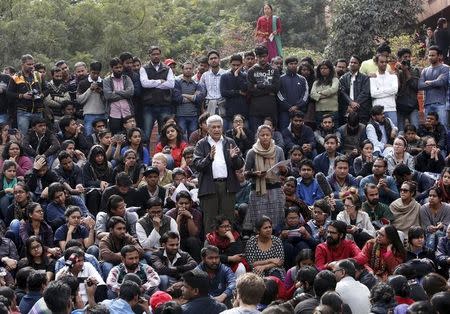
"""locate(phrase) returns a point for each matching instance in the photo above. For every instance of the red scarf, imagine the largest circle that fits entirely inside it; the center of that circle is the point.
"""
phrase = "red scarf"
(222, 243)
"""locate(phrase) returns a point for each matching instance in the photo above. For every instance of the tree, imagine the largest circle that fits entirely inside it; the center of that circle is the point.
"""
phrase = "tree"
(357, 25)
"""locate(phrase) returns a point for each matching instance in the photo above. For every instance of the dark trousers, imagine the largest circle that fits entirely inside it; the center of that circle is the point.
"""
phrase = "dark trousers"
(220, 203)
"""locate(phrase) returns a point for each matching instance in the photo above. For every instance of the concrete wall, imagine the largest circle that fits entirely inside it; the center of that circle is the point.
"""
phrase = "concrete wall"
(432, 7)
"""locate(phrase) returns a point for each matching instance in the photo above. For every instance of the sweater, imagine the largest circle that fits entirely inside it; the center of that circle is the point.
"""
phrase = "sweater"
(264, 83)
(326, 96)
(326, 254)
(436, 91)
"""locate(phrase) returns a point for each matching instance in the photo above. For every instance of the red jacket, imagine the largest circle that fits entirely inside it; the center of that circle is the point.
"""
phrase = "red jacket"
(388, 260)
(326, 254)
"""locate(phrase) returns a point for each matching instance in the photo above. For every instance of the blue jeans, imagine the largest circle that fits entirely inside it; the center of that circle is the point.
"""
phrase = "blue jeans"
(283, 120)
(440, 109)
(106, 268)
(151, 114)
(188, 124)
(392, 115)
(412, 117)
(24, 119)
(3, 118)
(88, 120)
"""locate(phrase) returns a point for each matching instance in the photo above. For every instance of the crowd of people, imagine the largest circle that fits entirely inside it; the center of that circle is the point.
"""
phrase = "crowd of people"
(303, 188)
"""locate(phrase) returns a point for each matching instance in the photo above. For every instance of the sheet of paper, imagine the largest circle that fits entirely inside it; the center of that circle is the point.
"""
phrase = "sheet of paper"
(274, 168)
(180, 187)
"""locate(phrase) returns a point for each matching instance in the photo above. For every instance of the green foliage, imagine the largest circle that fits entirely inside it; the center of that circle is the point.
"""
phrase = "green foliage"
(86, 30)
(359, 25)
(301, 53)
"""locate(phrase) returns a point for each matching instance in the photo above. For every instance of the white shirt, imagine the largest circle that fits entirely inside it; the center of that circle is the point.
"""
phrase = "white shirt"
(219, 166)
(355, 294)
(87, 271)
(152, 240)
(383, 89)
(171, 263)
(210, 81)
(147, 83)
(352, 82)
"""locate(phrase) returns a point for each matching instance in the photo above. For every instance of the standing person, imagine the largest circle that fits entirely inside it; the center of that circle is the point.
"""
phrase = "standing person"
(266, 197)
(57, 93)
(383, 88)
(233, 87)
(157, 83)
(434, 81)
(263, 85)
(325, 91)
(407, 103)
(118, 89)
(355, 91)
(202, 67)
(188, 97)
(25, 91)
(268, 30)
(293, 94)
(90, 96)
(369, 67)
(210, 83)
(216, 158)
(442, 37)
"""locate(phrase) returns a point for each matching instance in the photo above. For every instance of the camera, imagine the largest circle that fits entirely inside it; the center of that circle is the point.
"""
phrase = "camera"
(71, 261)
(35, 93)
(406, 63)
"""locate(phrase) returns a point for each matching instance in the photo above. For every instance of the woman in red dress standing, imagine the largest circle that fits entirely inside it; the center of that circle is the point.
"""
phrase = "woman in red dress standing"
(268, 30)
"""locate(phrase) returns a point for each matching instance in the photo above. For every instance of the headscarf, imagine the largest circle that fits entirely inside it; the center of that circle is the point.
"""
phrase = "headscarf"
(264, 160)
(102, 172)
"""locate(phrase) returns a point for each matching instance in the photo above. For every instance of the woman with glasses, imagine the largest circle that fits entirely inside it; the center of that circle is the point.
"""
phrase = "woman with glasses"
(430, 159)
(359, 227)
(34, 225)
(264, 251)
(405, 209)
(230, 246)
(434, 217)
(383, 253)
(240, 134)
(36, 257)
(399, 155)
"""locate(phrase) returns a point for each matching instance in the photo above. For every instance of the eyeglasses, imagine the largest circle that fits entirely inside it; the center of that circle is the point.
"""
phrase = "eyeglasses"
(404, 190)
(225, 226)
(332, 232)
(431, 145)
(349, 206)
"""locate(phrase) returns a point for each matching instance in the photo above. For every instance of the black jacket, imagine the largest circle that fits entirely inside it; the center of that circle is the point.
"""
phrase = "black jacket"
(47, 145)
(183, 264)
(31, 179)
(142, 197)
(203, 164)
(361, 93)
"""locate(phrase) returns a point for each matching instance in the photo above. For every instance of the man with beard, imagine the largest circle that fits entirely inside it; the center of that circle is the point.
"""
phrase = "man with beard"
(25, 91)
(111, 245)
(157, 83)
(379, 213)
(336, 246)
(130, 264)
(57, 93)
(381, 131)
(118, 89)
(170, 262)
(340, 67)
(351, 135)
(221, 278)
(355, 92)
(210, 82)
(127, 62)
(263, 86)
(195, 291)
(386, 184)
(249, 61)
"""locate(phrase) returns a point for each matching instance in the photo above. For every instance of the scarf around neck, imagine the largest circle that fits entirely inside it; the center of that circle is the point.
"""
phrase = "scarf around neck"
(405, 216)
(264, 160)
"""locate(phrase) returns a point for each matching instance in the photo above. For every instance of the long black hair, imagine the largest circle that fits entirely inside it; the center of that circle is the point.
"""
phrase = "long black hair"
(322, 80)
(164, 140)
(5, 153)
(394, 239)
